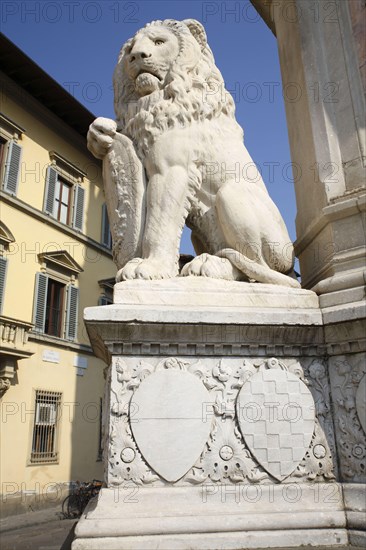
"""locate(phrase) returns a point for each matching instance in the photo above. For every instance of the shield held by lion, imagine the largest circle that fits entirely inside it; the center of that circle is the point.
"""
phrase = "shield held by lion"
(176, 155)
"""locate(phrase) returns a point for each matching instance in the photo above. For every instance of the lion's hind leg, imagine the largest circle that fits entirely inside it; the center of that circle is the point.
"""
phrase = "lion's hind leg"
(208, 265)
(257, 242)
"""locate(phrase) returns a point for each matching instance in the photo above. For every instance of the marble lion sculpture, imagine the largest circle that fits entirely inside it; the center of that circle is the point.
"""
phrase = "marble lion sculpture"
(176, 155)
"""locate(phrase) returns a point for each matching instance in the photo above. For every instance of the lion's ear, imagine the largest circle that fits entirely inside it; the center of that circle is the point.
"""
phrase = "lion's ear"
(197, 30)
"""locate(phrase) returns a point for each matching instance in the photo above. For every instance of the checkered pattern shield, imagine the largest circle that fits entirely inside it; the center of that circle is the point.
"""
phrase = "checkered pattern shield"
(276, 414)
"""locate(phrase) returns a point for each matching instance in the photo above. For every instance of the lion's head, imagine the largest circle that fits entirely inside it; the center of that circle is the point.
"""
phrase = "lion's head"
(166, 76)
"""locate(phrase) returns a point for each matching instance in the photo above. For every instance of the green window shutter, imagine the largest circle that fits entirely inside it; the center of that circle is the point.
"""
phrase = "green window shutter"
(78, 207)
(72, 312)
(40, 302)
(3, 266)
(12, 166)
(106, 232)
(49, 197)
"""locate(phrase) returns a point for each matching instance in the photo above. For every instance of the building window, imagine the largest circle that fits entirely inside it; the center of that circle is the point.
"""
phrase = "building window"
(62, 201)
(105, 300)
(12, 168)
(10, 154)
(46, 427)
(106, 286)
(64, 196)
(50, 300)
(106, 231)
(2, 152)
(54, 307)
(6, 237)
(56, 297)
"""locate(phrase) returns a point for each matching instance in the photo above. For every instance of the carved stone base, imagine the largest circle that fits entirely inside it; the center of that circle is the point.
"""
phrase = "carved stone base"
(212, 517)
(218, 429)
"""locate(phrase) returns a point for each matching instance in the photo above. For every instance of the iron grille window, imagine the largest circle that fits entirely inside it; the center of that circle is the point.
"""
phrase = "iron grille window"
(46, 427)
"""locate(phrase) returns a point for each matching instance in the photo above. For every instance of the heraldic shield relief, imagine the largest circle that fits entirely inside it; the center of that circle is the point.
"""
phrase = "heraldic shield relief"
(240, 420)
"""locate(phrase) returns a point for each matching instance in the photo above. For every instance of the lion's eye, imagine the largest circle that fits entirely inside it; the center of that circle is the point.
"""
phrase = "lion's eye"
(158, 42)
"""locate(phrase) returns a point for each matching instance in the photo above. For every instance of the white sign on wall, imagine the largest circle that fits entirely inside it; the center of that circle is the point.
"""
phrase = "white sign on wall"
(80, 362)
(51, 356)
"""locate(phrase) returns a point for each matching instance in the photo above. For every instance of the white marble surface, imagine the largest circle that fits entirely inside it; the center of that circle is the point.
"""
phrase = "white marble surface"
(204, 300)
(232, 521)
(172, 423)
(276, 414)
(176, 154)
(205, 291)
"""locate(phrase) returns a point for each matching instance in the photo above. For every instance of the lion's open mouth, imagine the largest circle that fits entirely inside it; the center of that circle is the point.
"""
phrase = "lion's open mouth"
(147, 82)
(149, 71)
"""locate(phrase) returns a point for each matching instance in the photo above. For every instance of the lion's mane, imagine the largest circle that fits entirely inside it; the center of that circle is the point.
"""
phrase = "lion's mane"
(194, 91)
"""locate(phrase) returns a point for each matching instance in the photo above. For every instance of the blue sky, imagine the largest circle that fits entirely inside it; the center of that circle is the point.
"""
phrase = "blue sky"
(77, 43)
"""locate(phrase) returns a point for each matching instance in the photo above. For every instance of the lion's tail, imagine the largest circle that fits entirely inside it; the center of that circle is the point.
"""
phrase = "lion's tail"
(259, 272)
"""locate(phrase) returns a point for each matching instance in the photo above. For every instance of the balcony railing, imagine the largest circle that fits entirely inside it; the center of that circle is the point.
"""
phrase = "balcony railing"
(13, 346)
(14, 336)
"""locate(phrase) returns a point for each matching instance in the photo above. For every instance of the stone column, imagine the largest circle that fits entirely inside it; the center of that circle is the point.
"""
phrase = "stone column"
(323, 76)
(325, 108)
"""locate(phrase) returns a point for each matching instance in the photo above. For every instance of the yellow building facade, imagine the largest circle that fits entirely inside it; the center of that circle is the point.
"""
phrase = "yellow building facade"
(55, 260)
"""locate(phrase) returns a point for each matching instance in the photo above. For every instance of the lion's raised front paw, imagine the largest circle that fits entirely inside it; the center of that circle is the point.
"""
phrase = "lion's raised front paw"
(206, 265)
(100, 136)
(146, 269)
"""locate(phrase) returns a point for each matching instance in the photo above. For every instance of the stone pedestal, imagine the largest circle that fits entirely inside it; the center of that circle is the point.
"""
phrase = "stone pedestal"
(214, 516)
(218, 421)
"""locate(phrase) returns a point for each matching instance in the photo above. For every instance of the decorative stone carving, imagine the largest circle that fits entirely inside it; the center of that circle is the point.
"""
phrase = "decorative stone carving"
(317, 379)
(141, 452)
(361, 402)
(176, 155)
(226, 458)
(133, 468)
(226, 381)
(276, 418)
(121, 444)
(348, 380)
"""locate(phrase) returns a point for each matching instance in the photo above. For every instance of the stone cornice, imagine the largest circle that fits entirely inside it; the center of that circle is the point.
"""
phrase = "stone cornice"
(118, 338)
(59, 342)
